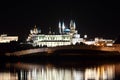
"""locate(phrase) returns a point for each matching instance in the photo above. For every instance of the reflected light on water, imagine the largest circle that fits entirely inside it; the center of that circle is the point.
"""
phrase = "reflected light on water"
(8, 76)
(106, 72)
(40, 72)
(100, 73)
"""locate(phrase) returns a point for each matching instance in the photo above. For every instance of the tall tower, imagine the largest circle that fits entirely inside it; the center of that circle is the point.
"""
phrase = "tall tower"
(72, 26)
(49, 30)
(59, 26)
(63, 27)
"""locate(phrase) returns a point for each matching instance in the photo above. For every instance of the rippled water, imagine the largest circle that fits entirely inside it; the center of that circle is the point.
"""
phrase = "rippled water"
(61, 71)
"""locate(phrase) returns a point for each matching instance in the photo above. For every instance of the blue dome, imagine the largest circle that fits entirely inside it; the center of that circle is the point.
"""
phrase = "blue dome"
(67, 30)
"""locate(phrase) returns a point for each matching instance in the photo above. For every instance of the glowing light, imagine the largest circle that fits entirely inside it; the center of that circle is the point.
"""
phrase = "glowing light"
(8, 76)
(85, 36)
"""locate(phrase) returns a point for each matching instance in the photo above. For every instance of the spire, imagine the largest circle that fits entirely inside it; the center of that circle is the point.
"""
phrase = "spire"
(35, 30)
(59, 25)
(63, 27)
(74, 25)
(35, 26)
(71, 24)
(49, 30)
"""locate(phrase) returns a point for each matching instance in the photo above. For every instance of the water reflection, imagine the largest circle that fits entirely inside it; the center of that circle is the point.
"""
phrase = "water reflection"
(23, 71)
(8, 76)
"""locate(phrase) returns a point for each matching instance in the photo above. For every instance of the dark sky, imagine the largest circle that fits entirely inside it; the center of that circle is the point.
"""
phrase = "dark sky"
(94, 18)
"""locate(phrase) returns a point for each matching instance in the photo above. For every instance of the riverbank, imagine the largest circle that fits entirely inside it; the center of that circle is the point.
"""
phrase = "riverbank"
(38, 57)
(71, 52)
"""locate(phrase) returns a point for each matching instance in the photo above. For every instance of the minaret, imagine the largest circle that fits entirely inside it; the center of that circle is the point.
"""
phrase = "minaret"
(71, 24)
(59, 25)
(63, 27)
(49, 30)
(74, 25)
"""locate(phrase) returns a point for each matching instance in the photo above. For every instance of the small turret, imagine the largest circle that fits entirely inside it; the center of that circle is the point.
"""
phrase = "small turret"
(35, 30)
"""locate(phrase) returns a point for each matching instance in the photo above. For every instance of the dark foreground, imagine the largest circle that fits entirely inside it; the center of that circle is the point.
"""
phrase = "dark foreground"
(62, 58)
(65, 56)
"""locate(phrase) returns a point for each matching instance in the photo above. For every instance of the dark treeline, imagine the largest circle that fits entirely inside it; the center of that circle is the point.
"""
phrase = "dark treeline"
(117, 40)
(13, 46)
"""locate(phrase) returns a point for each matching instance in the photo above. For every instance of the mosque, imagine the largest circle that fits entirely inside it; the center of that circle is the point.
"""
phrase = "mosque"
(66, 36)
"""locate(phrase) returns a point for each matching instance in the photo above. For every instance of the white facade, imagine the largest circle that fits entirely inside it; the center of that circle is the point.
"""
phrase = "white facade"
(51, 40)
(7, 39)
(100, 42)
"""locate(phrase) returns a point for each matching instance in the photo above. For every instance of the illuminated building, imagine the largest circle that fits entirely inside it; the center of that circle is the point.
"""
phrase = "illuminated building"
(100, 42)
(7, 39)
(66, 36)
(103, 42)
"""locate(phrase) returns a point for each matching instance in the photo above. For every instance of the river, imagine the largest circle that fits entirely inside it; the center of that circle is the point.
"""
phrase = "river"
(65, 70)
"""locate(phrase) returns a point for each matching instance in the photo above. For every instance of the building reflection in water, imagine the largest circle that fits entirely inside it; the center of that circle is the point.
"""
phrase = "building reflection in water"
(100, 73)
(33, 72)
(8, 76)
(30, 72)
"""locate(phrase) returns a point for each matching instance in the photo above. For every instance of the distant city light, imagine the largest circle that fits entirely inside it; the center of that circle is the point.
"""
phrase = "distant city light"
(85, 36)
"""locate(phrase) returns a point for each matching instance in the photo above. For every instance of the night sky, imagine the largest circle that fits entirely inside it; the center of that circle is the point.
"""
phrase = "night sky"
(94, 18)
